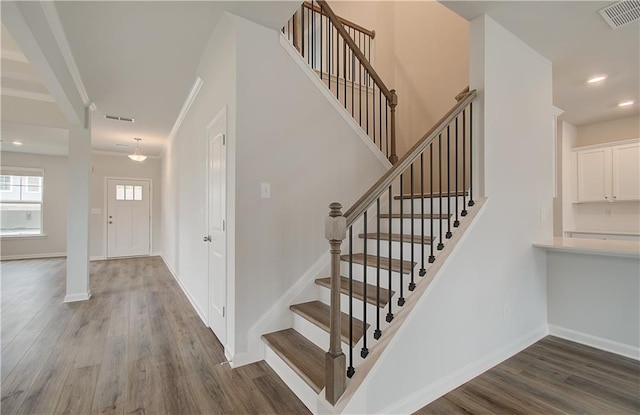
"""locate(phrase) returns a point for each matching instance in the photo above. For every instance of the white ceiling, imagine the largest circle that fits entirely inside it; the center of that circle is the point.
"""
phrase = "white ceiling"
(575, 38)
(138, 60)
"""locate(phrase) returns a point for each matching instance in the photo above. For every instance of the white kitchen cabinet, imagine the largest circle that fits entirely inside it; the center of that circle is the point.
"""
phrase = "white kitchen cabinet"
(608, 173)
(626, 171)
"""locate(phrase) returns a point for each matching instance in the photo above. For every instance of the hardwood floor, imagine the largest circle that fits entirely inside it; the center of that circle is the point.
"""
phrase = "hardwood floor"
(553, 376)
(136, 347)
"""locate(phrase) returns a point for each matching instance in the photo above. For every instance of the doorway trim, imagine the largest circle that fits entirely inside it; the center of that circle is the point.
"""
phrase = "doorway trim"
(220, 117)
(105, 206)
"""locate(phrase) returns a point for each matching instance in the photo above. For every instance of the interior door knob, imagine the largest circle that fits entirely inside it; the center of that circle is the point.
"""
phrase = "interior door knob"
(207, 238)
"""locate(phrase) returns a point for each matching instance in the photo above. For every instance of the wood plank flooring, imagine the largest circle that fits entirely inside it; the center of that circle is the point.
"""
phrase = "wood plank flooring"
(553, 376)
(136, 347)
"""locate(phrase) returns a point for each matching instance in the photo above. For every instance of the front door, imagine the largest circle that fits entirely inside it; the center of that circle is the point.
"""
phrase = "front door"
(128, 217)
(216, 201)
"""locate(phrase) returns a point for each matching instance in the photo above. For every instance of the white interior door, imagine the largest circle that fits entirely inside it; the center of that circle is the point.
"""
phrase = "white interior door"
(216, 238)
(128, 217)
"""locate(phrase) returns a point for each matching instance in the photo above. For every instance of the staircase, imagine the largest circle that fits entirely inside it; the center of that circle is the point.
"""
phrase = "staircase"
(387, 248)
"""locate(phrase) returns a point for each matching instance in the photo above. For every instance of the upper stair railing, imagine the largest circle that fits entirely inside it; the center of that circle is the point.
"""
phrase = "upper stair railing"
(340, 51)
(438, 167)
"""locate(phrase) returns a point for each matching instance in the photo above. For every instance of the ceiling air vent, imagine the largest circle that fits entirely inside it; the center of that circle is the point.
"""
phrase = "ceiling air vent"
(116, 118)
(621, 13)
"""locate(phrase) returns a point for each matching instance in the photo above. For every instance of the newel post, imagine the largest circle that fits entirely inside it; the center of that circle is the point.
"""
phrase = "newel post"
(335, 361)
(393, 157)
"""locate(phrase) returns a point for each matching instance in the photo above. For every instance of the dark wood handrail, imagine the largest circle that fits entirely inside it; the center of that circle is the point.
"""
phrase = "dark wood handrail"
(383, 184)
(356, 50)
(370, 33)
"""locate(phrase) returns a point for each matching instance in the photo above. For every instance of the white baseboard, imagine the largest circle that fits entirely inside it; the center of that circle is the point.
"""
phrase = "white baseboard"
(597, 342)
(445, 385)
(97, 258)
(34, 256)
(71, 298)
(200, 313)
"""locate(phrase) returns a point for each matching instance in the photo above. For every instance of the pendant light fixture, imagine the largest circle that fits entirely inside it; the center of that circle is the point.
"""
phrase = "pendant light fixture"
(137, 155)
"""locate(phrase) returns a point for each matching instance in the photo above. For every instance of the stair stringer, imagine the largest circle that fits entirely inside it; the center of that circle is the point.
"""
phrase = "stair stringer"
(297, 58)
(366, 371)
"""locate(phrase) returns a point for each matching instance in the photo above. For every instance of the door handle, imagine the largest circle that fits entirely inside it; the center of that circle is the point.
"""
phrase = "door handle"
(207, 238)
(110, 222)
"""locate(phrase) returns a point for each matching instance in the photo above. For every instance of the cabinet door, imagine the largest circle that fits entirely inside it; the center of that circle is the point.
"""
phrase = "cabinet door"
(594, 175)
(626, 172)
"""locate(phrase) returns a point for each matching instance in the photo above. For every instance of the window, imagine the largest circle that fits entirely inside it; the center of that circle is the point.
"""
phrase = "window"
(5, 183)
(128, 192)
(21, 201)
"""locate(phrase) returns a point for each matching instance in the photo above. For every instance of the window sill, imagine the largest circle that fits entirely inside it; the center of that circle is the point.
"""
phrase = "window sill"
(39, 236)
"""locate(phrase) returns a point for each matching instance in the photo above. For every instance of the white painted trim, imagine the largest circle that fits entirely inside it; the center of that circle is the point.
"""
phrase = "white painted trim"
(195, 88)
(14, 55)
(297, 58)
(595, 341)
(72, 298)
(34, 256)
(10, 237)
(445, 385)
(557, 111)
(19, 93)
(97, 258)
(186, 293)
(55, 24)
(271, 320)
(605, 145)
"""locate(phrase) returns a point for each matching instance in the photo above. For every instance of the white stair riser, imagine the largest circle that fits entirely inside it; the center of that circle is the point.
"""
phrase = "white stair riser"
(303, 391)
(394, 226)
(314, 333)
(358, 275)
(406, 205)
(324, 295)
(406, 250)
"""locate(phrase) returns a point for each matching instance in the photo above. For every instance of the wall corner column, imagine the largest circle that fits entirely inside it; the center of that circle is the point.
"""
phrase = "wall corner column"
(79, 161)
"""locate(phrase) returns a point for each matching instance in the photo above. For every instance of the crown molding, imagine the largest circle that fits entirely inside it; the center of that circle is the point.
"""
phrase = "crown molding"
(14, 55)
(195, 88)
(19, 93)
(55, 24)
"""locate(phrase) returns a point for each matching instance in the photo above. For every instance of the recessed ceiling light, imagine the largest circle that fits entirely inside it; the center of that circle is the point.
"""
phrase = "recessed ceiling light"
(17, 143)
(597, 78)
(626, 103)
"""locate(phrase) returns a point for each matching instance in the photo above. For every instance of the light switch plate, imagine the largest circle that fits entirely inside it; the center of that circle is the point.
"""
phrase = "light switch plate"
(265, 190)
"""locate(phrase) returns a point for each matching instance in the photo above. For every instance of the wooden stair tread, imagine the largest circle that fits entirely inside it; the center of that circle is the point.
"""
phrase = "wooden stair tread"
(384, 262)
(415, 216)
(395, 237)
(302, 355)
(317, 312)
(358, 290)
(430, 195)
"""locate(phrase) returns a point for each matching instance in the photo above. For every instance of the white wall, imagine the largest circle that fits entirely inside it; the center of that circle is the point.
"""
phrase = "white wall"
(460, 327)
(55, 201)
(184, 169)
(120, 166)
(55, 207)
(594, 300)
(282, 130)
(608, 131)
